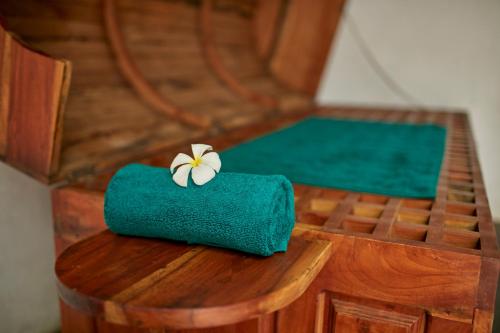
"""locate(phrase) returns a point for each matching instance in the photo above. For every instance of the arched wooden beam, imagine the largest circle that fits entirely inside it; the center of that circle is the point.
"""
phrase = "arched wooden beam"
(214, 60)
(131, 72)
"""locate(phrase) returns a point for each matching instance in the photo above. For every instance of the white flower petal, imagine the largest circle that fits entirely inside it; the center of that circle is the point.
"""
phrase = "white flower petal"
(212, 160)
(202, 174)
(182, 174)
(199, 149)
(180, 159)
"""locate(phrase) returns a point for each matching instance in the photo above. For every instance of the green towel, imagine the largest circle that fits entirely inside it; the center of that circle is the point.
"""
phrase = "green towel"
(250, 213)
(387, 158)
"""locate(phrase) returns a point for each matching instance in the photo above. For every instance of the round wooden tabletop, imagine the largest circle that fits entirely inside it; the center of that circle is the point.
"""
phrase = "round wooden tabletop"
(156, 283)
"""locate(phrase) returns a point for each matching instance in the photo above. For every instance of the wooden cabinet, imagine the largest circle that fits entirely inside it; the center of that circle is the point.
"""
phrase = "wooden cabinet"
(87, 86)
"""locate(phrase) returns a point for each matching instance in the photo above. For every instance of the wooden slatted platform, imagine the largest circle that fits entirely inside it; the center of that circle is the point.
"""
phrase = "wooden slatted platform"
(438, 255)
(457, 218)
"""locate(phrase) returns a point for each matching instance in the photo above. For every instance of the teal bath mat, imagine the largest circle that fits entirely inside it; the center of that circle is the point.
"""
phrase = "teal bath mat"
(394, 159)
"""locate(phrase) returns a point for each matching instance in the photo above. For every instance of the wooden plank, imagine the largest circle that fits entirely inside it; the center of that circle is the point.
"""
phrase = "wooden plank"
(266, 23)
(5, 64)
(77, 214)
(36, 90)
(152, 289)
(304, 43)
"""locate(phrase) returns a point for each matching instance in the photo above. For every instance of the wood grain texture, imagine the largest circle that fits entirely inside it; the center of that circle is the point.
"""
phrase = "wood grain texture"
(34, 87)
(266, 26)
(154, 283)
(443, 282)
(134, 76)
(394, 264)
(5, 53)
(106, 123)
(73, 321)
(440, 325)
(304, 43)
(77, 214)
(215, 62)
(350, 314)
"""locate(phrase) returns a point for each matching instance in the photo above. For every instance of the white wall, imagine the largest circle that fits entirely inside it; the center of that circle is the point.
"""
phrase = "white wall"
(28, 297)
(441, 52)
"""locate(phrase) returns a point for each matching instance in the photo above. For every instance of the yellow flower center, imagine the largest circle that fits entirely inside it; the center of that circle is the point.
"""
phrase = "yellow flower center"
(196, 161)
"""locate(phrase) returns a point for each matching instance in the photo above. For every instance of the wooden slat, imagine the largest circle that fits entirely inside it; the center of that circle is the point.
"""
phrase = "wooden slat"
(37, 87)
(5, 64)
(213, 58)
(304, 43)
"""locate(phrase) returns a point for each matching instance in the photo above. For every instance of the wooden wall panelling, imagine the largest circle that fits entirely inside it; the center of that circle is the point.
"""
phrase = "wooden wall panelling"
(36, 86)
(304, 43)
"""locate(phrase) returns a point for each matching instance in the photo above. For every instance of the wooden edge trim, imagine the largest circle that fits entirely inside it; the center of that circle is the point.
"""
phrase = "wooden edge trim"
(189, 318)
(214, 60)
(5, 67)
(60, 97)
(133, 75)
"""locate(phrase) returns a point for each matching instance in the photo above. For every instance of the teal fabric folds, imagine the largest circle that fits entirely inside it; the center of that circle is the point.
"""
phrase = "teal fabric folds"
(250, 213)
(386, 158)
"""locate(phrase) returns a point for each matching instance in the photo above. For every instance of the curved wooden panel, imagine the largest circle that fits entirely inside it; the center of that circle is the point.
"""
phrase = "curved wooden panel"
(33, 91)
(215, 62)
(304, 43)
(134, 76)
(168, 284)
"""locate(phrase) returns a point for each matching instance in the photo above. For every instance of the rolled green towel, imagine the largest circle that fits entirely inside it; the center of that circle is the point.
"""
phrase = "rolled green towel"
(250, 213)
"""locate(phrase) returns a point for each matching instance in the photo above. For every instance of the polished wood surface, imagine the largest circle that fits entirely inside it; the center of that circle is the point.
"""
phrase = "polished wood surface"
(348, 314)
(382, 249)
(155, 283)
(266, 25)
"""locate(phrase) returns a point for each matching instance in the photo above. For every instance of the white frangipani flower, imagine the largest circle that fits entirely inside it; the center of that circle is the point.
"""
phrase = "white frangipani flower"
(203, 166)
